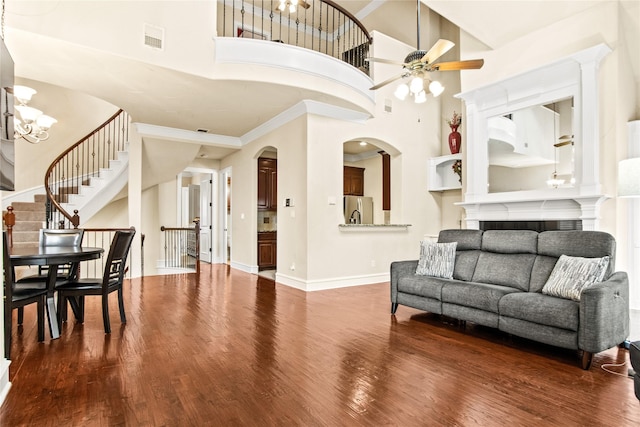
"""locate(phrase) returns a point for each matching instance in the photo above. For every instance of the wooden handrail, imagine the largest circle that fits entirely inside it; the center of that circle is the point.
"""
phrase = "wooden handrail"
(348, 14)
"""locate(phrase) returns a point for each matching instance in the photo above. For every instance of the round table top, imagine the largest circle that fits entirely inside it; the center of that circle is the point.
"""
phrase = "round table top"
(37, 255)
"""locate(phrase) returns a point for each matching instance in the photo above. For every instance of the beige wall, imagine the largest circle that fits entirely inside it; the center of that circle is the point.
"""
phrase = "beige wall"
(75, 22)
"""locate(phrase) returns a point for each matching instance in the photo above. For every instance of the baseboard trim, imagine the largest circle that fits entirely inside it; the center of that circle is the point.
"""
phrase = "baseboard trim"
(332, 283)
(5, 384)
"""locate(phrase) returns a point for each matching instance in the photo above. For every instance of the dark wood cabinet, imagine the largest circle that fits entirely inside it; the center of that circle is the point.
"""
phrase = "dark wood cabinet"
(353, 181)
(267, 250)
(267, 184)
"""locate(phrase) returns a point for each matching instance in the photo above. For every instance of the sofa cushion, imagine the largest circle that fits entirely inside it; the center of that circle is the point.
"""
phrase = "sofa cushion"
(465, 265)
(467, 240)
(424, 286)
(436, 259)
(477, 295)
(587, 244)
(572, 274)
(542, 268)
(541, 309)
(512, 270)
(510, 241)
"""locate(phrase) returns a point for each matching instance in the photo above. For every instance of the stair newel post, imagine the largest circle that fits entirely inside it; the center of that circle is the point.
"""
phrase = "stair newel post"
(197, 231)
(9, 221)
(75, 220)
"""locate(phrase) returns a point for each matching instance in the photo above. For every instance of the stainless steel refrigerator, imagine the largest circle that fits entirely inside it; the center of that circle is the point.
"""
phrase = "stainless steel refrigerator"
(358, 210)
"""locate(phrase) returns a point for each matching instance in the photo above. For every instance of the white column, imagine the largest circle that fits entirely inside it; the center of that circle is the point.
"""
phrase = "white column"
(633, 251)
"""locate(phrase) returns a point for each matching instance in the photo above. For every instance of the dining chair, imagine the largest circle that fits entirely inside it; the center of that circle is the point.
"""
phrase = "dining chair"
(18, 298)
(74, 291)
(47, 238)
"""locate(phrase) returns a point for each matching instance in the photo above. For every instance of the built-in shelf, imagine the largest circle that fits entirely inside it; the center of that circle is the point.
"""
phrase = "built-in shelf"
(441, 176)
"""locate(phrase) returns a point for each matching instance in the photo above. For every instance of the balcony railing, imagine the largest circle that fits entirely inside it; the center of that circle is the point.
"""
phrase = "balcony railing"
(319, 25)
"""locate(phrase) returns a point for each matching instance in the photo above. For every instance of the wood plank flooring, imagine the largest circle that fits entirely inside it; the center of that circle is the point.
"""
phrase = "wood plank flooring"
(234, 349)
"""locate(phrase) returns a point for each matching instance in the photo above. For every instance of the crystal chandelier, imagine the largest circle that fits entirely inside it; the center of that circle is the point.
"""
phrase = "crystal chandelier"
(29, 123)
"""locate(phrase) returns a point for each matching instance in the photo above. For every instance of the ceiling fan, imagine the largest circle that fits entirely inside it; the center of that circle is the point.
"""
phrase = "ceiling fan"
(420, 62)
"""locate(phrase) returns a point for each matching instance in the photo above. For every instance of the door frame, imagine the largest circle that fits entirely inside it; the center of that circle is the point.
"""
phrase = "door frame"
(212, 212)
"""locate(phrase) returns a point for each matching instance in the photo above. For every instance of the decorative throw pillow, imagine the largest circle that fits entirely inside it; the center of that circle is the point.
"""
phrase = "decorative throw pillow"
(436, 259)
(573, 274)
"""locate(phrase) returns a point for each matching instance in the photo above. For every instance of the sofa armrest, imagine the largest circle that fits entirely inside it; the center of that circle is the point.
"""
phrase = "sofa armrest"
(604, 314)
(400, 269)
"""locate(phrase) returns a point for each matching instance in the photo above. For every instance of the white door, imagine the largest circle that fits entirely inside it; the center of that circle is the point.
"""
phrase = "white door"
(206, 229)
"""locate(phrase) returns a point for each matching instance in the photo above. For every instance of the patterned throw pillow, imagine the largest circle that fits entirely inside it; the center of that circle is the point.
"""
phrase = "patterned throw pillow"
(573, 274)
(436, 259)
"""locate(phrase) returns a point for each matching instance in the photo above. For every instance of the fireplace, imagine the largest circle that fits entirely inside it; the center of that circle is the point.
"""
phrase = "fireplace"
(531, 202)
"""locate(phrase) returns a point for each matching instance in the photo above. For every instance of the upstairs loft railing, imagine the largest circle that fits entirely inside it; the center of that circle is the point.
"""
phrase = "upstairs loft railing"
(79, 163)
(319, 25)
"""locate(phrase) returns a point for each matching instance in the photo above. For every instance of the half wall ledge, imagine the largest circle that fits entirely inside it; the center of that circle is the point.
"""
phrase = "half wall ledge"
(373, 227)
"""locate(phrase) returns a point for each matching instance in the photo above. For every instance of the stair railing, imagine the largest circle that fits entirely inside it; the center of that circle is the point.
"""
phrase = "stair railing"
(182, 246)
(79, 163)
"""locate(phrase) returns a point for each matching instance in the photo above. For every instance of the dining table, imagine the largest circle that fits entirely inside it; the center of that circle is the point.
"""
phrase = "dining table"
(52, 256)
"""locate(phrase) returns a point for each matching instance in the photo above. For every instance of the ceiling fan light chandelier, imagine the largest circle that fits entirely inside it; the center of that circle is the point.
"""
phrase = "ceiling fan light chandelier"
(417, 63)
(416, 88)
(29, 123)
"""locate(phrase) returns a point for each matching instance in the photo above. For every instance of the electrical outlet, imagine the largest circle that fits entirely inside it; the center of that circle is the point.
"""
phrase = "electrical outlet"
(293, 266)
(373, 263)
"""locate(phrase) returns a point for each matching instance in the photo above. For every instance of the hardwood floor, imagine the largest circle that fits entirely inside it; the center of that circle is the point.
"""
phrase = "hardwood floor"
(235, 349)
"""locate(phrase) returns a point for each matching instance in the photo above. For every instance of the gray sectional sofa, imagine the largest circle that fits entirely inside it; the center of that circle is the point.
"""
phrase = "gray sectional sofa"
(498, 278)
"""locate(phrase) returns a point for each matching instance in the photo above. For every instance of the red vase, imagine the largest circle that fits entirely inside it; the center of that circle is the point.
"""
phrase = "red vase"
(455, 140)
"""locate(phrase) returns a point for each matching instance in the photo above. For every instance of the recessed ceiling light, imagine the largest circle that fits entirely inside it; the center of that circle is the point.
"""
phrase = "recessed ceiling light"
(363, 143)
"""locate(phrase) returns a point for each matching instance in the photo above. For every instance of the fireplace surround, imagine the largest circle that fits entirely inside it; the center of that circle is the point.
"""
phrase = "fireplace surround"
(575, 76)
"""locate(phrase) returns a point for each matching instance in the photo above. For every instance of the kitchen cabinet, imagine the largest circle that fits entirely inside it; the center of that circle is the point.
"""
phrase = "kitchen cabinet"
(353, 181)
(267, 184)
(267, 250)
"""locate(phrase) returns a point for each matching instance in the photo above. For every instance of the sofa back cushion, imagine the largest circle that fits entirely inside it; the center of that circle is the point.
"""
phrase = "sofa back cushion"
(507, 258)
(469, 243)
(587, 244)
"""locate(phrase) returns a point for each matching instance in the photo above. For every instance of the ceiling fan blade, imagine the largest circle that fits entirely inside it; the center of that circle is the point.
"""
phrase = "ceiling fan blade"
(441, 47)
(471, 64)
(384, 61)
(386, 82)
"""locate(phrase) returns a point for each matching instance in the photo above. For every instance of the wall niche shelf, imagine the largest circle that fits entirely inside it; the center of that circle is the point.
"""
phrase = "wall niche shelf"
(441, 174)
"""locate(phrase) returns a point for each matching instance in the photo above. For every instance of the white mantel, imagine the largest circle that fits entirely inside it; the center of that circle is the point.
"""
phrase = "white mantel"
(574, 76)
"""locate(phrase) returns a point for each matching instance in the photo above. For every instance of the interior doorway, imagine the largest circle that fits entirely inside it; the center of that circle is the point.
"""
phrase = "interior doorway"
(196, 195)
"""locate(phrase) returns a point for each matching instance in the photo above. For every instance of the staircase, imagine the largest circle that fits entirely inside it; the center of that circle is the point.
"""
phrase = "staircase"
(78, 184)
(30, 218)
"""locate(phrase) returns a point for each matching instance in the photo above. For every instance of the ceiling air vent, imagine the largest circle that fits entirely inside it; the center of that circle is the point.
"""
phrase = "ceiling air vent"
(153, 37)
(202, 130)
